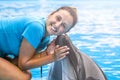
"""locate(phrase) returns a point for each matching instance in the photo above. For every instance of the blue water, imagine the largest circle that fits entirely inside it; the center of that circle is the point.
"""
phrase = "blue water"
(97, 32)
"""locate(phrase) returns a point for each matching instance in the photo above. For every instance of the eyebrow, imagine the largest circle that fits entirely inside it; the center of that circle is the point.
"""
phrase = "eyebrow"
(65, 23)
(59, 17)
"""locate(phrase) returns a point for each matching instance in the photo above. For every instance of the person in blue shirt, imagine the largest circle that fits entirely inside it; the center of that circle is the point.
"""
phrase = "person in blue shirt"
(27, 38)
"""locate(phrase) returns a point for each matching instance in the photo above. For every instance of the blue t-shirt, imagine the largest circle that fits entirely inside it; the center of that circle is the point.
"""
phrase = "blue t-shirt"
(13, 30)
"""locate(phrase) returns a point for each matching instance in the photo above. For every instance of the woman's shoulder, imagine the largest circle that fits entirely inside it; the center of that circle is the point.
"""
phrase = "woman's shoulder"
(29, 18)
(32, 19)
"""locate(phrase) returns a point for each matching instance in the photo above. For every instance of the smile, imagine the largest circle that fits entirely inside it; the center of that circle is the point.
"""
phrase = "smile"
(53, 28)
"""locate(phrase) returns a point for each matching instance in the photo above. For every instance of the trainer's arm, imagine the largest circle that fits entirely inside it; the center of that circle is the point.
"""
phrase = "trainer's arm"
(28, 59)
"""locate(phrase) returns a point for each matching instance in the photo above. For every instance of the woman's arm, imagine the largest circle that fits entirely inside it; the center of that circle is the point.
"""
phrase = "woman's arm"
(29, 59)
(26, 59)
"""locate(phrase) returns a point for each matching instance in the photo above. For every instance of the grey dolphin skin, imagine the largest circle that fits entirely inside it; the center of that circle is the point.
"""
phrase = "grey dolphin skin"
(76, 66)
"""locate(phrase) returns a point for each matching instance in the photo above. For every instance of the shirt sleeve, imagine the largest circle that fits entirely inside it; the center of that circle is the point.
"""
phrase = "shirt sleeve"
(34, 33)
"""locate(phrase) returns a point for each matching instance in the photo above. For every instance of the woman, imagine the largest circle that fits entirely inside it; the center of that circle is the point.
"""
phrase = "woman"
(26, 37)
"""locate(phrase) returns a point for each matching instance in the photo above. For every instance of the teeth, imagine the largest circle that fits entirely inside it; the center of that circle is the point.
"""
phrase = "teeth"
(53, 29)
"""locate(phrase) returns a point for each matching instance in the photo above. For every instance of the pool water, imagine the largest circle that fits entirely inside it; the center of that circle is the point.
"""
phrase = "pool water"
(97, 32)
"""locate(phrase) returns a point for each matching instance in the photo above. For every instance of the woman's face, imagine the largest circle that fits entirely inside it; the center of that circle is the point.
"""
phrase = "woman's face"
(59, 22)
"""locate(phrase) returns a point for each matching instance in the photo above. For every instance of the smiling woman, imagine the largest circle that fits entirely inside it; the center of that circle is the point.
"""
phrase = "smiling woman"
(27, 37)
(61, 20)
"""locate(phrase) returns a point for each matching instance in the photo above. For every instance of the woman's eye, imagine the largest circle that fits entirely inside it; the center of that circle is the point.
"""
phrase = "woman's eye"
(58, 18)
(64, 25)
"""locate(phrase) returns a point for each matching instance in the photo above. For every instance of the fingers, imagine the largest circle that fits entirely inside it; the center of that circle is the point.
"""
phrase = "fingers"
(63, 55)
(61, 49)
(60, 52)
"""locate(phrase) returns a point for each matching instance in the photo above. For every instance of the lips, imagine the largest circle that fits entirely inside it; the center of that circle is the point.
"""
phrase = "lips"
(53, 28)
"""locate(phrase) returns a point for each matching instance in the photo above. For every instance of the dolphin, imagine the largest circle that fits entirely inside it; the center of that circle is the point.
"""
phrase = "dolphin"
(75, 66)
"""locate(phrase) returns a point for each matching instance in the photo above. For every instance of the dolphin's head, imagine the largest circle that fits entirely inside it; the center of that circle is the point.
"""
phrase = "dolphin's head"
(62, 40)
(81, 66)
(75, 62)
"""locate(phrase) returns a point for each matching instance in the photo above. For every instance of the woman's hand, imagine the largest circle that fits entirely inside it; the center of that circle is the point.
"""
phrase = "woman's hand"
(57, 51)
(60, 52)
(51, 47)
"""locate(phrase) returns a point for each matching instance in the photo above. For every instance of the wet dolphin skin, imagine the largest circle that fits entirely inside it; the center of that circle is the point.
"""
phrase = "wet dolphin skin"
(76, 66)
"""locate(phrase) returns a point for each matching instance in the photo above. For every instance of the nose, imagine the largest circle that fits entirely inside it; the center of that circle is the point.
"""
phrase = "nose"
(58, 24)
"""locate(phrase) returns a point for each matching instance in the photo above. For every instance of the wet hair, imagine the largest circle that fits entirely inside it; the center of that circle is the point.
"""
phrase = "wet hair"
(72, 11)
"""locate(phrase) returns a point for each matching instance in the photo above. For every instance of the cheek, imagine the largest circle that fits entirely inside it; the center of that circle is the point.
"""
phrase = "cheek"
(61, 30)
